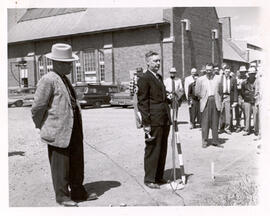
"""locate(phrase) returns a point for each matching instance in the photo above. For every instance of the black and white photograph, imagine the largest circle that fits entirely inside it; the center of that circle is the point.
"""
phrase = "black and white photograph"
(123, 107)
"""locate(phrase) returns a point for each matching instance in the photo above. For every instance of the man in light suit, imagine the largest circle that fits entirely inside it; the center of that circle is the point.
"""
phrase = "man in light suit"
(57, 115)
(207, 89)
(155, 111)
(188, 81)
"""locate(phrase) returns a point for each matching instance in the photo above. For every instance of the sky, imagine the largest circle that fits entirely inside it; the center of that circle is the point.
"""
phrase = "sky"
(245, 23)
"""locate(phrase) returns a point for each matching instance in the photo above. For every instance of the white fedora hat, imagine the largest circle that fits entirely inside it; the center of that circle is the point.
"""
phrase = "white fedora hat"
(243, 68)
(251, 70)
(62, 52)
(173, 70)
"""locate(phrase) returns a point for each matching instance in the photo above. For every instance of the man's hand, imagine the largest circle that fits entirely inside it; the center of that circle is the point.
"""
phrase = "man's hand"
(234, 104)
(147, 129)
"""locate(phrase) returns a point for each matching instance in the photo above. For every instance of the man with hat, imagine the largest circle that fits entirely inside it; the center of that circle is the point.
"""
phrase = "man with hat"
(248, 94)
(174, 88)
(188, 80)
(133, 89)
(239, 109)
(56, 114)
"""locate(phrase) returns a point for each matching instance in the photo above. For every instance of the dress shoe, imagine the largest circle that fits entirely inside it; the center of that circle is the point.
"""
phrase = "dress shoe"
(68, 203)
(227, 131)
(162, 181)
(152, 185)
(246, 133)
(204, 144)
(216, 143)
(88, 197)
(238, 130)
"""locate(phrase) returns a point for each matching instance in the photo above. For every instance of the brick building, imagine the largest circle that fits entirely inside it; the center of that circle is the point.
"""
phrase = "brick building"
(111, 41)
(238, 52)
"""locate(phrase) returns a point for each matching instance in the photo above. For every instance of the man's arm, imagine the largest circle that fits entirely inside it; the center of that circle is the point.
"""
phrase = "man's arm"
(198, 88)
(186, 84)
(144, 100)
(235, 92)
(179, 90)
(41, 101)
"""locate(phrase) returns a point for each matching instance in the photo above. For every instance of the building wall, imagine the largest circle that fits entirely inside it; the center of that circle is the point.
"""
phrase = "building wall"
(197, 41)
(131, 46)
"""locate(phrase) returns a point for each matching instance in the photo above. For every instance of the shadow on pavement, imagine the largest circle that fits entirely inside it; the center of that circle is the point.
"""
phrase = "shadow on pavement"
(182, 122)
(14, 153)
(100, 187)
(168, 174)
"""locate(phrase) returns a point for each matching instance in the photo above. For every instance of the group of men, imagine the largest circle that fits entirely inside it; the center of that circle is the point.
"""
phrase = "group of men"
(57, 115)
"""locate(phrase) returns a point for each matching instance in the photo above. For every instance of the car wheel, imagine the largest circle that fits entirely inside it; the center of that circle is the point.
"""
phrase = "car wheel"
(98, 104)
(125, 106)
(18, 103)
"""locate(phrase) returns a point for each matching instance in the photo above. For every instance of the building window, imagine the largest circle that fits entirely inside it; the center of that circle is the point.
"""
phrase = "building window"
(49, 65)
(78, 71)
(41, 66)
(101, 66)
(89, 60)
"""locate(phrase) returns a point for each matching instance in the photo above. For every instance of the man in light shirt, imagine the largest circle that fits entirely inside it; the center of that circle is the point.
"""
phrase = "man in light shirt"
(174, 88)
(228, 89)
(207, 89)
(188, 81)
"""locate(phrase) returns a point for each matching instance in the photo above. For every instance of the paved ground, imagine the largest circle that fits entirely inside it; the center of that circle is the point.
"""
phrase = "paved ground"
(114, 151)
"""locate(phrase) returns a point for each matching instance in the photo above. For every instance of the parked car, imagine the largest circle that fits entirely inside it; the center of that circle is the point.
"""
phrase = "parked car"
(123, 99)
(21, 96)
(94, 95)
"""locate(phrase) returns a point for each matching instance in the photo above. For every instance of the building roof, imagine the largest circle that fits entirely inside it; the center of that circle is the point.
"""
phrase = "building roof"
(233, 51)
(44, 23)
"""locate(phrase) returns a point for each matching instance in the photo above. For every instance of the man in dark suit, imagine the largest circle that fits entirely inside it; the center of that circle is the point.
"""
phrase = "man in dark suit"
(155, 112)
(229, 98)
(194, 103)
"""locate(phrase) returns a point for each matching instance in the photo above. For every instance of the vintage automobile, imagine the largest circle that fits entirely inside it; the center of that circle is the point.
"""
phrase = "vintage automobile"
(123, 99)
(94, 95)
(19, 97)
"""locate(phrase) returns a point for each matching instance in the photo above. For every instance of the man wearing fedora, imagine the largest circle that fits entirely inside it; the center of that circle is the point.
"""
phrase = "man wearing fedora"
(153, 106)
(174, 88)
(56, 113)
(248, 94)
(239, 109)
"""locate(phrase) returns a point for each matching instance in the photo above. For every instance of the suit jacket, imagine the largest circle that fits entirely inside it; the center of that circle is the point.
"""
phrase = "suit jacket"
(52, 111)
(248, 91)
(201, 90)
(233, 89)
(152, 100)
(191, 92)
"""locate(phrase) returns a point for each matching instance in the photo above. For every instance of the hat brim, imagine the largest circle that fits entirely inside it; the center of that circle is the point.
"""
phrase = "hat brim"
(74, 58)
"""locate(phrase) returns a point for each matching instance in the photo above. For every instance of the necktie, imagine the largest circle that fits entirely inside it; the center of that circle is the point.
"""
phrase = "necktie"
(173, 86)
